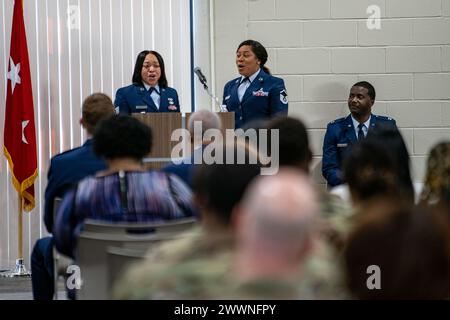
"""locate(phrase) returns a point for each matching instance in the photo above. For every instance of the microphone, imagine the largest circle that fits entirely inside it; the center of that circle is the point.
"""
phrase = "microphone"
(200, 76)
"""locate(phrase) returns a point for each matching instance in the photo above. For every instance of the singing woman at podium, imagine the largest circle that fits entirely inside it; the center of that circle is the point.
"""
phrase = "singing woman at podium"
(256, 94)
(149, 91)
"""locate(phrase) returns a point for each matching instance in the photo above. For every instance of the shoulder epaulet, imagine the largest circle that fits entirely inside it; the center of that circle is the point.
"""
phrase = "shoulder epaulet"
(337, 120)
(383, 118)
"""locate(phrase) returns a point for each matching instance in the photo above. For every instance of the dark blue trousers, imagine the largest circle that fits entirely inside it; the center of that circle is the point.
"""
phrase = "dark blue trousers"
(42, 277)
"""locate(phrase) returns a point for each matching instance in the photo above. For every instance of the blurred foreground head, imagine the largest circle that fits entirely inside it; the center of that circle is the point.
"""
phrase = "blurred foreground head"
(398, 252)
(275, 224)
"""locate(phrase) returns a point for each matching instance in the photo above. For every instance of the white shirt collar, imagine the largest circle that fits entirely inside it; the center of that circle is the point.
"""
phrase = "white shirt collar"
(356, 123)
(252, 77)
(147, 87)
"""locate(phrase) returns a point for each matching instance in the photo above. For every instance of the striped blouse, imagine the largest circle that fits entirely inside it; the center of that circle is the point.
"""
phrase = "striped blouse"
(133, 196)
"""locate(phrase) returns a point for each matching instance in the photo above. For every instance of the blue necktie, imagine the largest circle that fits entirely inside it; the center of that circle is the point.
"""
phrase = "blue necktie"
(360, 131)
(242, 88)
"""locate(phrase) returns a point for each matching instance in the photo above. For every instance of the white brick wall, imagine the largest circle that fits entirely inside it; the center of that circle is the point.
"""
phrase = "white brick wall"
(392, 32)
(354, 8)
(358, 60)
(302, 9)
(446, 58)
(432, 86)
(261, 10)
(431, 31)
(329, 33)
(276, 34)
(303, 61)
(322, 47)
(390, 86)
(413, 8)
(413, 59)
(446, 8)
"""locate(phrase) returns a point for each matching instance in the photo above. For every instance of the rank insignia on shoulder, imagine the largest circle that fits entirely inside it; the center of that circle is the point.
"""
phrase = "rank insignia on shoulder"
(284, 97)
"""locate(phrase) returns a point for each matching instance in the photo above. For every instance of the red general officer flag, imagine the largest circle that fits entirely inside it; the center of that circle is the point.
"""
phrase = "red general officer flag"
(19, 130)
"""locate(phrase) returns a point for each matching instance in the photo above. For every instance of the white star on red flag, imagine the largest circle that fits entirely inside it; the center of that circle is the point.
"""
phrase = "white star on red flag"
(13, 74)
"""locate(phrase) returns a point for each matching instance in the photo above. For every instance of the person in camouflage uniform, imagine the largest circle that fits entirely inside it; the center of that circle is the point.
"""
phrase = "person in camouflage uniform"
(171, 269)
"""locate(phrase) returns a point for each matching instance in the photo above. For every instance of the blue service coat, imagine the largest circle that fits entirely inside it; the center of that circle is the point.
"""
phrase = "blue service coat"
(135, 99)
(65, 170)
(265, 97)
(339, 138)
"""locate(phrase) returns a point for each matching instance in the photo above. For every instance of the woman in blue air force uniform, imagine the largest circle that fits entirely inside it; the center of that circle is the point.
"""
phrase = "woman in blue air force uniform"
(149, 91)
(256, 94)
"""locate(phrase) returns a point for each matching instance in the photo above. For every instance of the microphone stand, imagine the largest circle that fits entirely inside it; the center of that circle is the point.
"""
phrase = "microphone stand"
(222, 108)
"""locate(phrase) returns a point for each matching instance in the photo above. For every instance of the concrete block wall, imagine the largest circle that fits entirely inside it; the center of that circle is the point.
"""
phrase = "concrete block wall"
(322, 47)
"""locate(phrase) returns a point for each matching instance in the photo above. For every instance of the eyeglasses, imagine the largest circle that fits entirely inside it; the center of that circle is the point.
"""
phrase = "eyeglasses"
(147, 66)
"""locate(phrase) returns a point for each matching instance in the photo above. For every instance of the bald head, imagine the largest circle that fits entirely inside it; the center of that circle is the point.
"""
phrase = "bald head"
(209, 120)
(278, 214)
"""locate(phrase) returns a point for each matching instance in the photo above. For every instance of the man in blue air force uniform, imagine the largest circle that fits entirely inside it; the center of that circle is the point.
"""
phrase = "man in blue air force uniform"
(342, 133)
(65, 170)
(256, 94)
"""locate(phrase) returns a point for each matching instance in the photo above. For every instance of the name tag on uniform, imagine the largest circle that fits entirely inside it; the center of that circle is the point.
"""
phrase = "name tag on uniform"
(227, 97)
(141, 107)
(342, 145)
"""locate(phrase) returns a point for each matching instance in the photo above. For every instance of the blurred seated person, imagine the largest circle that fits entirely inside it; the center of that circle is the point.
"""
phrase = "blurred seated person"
(193, 267)
(149, 91)
(343, 133)
(278, 251)
(394, 147)
(65, 170)
(125, 192)
(436, 188)
(397, 251)
(205, 120)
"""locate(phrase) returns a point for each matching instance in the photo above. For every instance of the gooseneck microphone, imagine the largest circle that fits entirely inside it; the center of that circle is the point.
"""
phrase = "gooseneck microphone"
(203, 81)
(201, 76)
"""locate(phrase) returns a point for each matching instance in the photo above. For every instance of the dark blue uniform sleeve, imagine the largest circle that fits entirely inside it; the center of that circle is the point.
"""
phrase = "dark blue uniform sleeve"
(49, 197)
(330, 164)
(121, 102)
(67, 225)
(278, 99)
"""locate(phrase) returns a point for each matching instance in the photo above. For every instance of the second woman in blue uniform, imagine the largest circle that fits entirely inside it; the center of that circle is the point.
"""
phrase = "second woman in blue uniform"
(256, 94)
(149, 91)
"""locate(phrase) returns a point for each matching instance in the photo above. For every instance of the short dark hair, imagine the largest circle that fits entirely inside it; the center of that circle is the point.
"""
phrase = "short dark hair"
(221, 186)
(394, 144)
(368, 86)
(96, 107)
(370, 171)
(137, 77)
(293, 141)
(259, 51)
(122, 136)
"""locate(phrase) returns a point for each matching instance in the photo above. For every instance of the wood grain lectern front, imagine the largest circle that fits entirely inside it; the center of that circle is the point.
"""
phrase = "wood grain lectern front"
(163, 125)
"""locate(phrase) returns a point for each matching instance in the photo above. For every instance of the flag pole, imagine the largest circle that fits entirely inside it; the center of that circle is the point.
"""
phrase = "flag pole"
(19, 270)
(20, 224)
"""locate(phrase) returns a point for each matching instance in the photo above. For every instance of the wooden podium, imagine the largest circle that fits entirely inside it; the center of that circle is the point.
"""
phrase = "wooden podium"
(162, 125)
